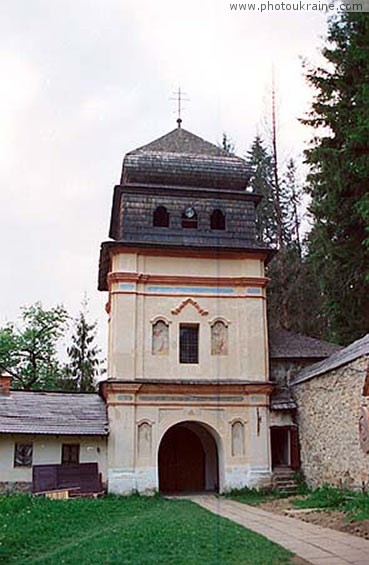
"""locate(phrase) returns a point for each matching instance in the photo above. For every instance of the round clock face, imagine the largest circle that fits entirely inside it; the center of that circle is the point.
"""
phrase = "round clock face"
(190, 212)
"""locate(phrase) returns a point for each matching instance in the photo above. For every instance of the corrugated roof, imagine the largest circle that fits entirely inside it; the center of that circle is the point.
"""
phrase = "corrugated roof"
(53, 413)
(357, 349)
(284, 344)
(181, 158)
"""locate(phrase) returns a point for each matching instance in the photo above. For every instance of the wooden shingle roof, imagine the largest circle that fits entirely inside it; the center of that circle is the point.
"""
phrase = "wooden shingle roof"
(284, 344)
(181, 158)
(24, 412)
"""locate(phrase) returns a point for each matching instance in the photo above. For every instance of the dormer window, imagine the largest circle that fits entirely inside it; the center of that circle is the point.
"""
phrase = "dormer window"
(217, 220)
(161, 217)
(189, 218)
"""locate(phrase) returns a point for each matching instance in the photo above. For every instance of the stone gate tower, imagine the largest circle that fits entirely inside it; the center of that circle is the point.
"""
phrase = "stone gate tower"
(187, 388)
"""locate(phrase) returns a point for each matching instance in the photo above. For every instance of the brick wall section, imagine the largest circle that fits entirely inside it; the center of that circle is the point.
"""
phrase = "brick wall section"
(328, 417)
(136, 221)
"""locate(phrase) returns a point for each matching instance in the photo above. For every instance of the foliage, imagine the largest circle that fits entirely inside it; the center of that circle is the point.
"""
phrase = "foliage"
(354, 504)
(255, 496)
(323, 497)
(126, 530)
(294, 299)
(227, 144)
(338, 179)
(261, 182)
(29, 352)
(84, 362)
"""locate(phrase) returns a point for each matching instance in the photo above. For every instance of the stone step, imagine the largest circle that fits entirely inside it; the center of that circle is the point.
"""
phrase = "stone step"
(286, 485)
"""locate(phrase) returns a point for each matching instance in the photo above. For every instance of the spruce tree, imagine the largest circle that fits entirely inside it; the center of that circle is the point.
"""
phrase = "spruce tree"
(261, 182)
(84, 361)
(338, 182)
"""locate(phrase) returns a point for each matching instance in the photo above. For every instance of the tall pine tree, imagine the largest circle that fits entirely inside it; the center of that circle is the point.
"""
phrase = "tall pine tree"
(339, 179)
(261, 164)
(84, 361)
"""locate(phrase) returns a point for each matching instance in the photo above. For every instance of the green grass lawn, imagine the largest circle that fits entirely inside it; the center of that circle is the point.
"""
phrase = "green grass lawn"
(254, 496)
(355, 505)
(135, 530)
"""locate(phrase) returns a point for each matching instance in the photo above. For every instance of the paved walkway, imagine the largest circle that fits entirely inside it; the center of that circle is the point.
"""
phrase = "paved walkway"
(317, 545)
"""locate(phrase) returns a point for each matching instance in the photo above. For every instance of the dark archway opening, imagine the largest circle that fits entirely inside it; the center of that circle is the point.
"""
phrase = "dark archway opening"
(188, 460)
(161, 217)
(217, 220)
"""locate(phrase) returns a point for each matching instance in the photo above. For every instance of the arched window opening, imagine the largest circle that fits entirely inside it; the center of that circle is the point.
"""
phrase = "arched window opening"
(217, 220)
(161, 217)
(189, 218)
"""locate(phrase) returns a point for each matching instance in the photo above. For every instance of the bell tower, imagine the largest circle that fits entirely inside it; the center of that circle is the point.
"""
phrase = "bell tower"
(187, 388)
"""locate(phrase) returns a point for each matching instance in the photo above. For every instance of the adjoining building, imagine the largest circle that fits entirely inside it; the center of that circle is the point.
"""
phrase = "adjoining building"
(332, 399)
(47, 428)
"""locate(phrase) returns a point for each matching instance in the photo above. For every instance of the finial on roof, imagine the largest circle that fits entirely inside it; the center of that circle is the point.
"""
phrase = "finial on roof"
(179, 97)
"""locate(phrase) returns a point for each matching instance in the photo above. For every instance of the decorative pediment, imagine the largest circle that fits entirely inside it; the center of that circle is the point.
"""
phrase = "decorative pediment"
(193, 303)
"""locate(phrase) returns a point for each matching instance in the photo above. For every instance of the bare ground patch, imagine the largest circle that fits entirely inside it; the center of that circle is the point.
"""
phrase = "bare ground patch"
(334, 519)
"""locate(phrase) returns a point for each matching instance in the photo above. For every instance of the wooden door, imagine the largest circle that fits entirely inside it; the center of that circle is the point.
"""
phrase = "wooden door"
(181, 461)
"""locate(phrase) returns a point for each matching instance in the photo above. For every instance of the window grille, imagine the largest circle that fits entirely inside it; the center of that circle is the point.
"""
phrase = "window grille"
(188, 343)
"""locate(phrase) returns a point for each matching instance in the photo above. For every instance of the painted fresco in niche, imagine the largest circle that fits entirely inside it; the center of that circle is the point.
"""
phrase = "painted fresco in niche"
(219, 338)
(144, 439)
(238, 439)
(160, 338)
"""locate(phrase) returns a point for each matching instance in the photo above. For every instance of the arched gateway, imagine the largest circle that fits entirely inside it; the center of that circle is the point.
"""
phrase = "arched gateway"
(188, 459)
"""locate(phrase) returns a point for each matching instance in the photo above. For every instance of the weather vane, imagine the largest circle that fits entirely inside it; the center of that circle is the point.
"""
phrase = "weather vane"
(179, 97)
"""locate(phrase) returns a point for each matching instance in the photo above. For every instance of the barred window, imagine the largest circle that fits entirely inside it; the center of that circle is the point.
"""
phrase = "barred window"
(23, 455)
(189, 343)
(70, 453)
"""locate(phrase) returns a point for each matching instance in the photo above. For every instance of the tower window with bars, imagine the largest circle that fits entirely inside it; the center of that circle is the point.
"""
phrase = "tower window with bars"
(189, 343)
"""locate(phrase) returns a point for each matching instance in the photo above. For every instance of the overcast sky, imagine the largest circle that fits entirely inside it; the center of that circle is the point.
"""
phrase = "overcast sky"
(85, 81)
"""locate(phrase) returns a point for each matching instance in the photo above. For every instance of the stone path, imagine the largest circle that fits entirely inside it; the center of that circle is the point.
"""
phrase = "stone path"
(317, 545)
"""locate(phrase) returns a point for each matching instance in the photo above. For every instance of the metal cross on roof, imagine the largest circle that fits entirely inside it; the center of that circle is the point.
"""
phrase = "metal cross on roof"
(179, 97)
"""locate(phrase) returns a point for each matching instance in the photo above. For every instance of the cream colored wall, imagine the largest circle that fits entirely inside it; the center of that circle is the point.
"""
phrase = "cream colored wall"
(196, 266)
(133, 311)
(128, 471)
(47, 449)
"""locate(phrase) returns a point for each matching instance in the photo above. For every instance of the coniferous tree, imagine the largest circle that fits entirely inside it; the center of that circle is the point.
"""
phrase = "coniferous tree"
(227, 144)
(261, 182)
(294, 300)
(338, 181)
(84, 361)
